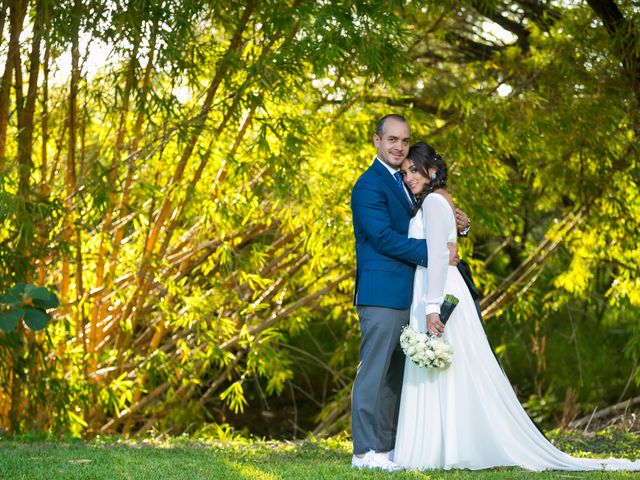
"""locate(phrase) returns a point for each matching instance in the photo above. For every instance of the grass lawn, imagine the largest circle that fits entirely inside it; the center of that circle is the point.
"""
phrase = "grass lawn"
(256, 460)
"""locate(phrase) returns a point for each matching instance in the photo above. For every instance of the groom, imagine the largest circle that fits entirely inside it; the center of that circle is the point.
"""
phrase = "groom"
(386, 258)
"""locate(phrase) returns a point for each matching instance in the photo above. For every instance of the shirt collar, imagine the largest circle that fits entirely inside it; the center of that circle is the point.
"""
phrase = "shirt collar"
(391, 170)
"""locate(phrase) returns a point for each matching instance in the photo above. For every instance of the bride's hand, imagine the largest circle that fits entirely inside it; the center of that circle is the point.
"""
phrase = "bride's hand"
(434, 325)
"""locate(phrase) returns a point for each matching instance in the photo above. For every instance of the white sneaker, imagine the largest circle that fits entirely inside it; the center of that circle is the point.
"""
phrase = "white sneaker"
(373, 459)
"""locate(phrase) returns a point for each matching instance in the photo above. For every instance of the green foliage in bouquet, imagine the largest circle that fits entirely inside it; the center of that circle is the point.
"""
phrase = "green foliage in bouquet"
(29, 303)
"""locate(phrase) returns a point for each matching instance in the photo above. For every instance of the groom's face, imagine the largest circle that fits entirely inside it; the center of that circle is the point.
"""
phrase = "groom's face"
(393, 146)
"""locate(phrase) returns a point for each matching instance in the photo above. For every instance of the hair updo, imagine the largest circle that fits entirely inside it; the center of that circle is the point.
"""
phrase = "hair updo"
(424, 157)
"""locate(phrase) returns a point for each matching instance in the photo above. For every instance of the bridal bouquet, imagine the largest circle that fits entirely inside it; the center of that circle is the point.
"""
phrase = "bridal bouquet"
(426, 350)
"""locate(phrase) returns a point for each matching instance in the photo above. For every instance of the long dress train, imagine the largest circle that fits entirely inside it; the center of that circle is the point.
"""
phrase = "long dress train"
(466, 416)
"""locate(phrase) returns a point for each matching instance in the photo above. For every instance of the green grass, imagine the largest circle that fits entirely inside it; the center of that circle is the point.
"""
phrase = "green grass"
(256, 460)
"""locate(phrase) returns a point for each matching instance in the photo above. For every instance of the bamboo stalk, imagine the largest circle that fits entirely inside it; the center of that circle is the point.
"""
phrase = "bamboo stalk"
(509, 287)
(135, 306)
(17, 13)
(283, 312)
(255, 330)
(149, 398)
(605, 412)
(3, 17)
(45, 119)
(221, 71)
(100, 306)
(26, 116)
(222, 377)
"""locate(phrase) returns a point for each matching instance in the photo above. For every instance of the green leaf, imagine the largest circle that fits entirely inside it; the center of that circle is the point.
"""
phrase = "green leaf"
(43, 298)
(9, 320)
(8, 298)
(18, 289)
(36, 319)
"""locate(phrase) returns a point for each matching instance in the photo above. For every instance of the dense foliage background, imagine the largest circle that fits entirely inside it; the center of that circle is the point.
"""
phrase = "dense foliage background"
(188, 199)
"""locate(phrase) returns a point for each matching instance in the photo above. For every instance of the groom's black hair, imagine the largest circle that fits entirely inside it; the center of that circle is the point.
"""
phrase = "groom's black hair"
(380, 126)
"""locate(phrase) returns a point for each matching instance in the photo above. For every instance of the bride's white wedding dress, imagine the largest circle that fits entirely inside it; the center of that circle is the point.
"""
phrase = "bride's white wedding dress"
(466, 416)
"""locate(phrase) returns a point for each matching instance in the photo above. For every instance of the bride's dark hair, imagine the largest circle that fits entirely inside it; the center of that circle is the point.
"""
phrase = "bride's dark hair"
(424, 157)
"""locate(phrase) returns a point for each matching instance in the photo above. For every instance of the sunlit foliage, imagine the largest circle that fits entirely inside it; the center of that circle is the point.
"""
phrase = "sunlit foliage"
(188, 199)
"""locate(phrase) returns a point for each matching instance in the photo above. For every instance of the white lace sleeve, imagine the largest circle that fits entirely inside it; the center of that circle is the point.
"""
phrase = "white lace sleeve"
(436, 226)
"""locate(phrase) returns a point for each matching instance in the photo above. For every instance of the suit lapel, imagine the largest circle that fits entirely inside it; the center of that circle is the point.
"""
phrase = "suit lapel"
(388, 180)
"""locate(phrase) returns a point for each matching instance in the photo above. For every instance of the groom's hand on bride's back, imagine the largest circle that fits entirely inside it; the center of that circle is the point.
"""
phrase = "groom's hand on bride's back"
(453, 254)
(463, 224)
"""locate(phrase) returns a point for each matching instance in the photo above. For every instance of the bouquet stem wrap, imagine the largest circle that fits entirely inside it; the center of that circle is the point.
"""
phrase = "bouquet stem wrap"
(446, 309)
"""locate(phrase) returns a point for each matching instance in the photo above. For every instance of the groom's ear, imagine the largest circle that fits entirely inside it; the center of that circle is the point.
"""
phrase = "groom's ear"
(376, 139)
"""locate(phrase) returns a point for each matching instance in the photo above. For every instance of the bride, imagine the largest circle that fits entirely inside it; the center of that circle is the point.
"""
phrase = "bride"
(466, 416)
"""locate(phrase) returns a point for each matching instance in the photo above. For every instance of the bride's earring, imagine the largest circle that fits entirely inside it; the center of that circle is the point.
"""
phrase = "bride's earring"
(433, 175)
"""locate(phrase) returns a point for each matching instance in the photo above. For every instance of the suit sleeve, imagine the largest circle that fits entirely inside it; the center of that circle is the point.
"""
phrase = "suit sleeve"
(370, 210)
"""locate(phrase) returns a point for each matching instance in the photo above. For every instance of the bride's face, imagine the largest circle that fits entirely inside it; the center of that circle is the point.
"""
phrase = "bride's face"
(413, 179)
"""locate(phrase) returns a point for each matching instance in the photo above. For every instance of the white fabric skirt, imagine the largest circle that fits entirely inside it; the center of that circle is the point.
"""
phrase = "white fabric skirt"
(468, 416)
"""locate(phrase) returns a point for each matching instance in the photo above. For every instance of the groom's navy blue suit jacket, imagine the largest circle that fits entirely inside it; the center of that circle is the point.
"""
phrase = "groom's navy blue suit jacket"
(385, 256)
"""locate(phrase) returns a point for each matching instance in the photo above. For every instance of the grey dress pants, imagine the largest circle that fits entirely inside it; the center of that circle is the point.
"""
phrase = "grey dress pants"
(375, 398)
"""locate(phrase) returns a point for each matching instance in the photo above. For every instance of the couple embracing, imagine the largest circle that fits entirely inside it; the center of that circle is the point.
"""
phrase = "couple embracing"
(404, 415)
